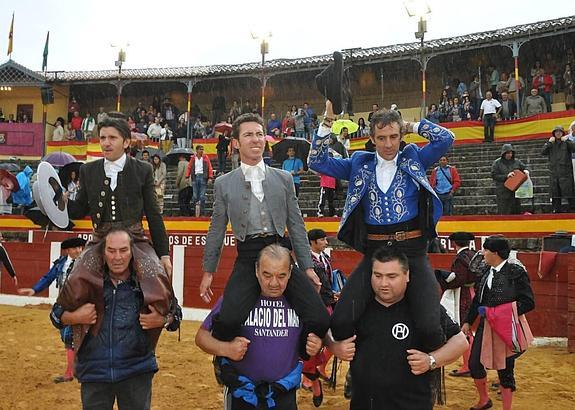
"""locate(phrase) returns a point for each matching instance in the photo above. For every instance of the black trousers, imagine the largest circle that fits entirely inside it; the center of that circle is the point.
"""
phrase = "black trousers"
(243, 291)
(562, 187)
(134, 393)
(489, 127)
(422, 294)
(506, 376)
(326, 194)
(507, 204)
(185, 200)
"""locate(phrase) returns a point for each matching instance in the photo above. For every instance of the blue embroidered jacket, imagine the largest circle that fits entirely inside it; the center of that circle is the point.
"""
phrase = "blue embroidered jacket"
(359, 170)
(55, 273)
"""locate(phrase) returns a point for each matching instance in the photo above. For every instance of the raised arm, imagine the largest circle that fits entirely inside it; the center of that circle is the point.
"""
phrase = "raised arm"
(319, 159)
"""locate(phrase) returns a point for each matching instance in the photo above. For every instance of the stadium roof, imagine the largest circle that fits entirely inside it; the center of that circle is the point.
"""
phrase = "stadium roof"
(368, 55)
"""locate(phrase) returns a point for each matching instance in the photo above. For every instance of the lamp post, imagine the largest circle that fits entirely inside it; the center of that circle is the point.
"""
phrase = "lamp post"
(264, 49)
(118, 63)
(420, 8)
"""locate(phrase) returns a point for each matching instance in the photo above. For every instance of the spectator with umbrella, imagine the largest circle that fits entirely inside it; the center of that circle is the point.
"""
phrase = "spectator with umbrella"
(59, 159)
(294, 166)
(184, 188)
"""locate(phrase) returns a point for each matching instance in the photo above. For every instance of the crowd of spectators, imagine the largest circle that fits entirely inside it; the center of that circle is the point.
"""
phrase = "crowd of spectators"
(534, 95)
(21, 117)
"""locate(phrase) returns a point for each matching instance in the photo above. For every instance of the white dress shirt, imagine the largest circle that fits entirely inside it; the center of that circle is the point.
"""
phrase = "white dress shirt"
(111, 168)
(199, 165)
(493, 271)
(385, 171)
(255, 174)
(323, 259)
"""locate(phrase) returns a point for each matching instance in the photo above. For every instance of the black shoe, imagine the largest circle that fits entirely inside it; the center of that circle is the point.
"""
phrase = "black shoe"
(486, 406)
(333, 84)
(317, 400)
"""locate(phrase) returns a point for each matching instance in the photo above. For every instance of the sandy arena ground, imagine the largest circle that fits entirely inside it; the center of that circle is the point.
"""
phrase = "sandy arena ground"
(31, 354)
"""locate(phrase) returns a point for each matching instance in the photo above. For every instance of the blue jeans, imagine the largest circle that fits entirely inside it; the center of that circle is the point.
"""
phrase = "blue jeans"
(199, 185)
(447, 202)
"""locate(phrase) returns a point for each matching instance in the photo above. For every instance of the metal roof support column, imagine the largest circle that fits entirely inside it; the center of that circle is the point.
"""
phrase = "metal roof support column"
(119, 86)
(190, 86)
(423, 59)
(514, 47)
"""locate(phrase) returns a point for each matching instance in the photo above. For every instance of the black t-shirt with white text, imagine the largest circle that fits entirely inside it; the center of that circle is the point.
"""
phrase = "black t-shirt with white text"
(381, 375)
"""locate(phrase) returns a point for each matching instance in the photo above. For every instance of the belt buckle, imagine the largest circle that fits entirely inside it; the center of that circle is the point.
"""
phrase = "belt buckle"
(401, 236)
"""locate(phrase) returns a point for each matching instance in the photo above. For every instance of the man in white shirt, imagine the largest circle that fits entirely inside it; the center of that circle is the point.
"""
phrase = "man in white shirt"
(390, 203)
(155, 130)
(488, 113)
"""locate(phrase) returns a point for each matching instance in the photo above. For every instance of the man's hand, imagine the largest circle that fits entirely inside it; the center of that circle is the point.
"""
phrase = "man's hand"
(329, 110)
(511, 174)
(210, 180)
(407, 128)
(84, 315)
(237, 348)
(552, 139)
(167, 264)
(15, 280)
(152, 320)
(344, 349)
(313, 344)
(312, 276)
(564, 138)
(418, 361)
(466, 329)
(205, 290)
(26, 292)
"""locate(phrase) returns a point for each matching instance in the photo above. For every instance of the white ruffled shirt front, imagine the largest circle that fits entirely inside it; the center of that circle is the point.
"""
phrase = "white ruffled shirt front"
(111, 168)
(255, 174)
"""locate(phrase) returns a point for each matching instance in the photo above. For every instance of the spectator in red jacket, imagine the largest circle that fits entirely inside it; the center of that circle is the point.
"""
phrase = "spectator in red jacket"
(76, 125)
(445, 180)
(201, 172)
(544, 84)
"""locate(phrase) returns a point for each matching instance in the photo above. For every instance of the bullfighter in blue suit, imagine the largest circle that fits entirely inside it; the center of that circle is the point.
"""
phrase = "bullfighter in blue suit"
(61, 268)
(389, 203)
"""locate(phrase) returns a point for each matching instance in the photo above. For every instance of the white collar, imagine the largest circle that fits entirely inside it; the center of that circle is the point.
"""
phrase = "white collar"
(317, 255)
(462, 249)
(261, 165)
(498, 267)
(119, 163)
(384, 163)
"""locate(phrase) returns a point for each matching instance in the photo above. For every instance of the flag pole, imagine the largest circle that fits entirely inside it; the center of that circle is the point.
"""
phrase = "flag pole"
(11, 38)
(44, 105)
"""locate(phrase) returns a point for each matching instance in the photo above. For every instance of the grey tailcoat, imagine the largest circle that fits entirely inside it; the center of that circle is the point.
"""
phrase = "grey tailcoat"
(232, 195)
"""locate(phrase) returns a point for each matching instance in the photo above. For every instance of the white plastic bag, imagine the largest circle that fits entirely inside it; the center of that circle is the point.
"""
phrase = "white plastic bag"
(525, 190)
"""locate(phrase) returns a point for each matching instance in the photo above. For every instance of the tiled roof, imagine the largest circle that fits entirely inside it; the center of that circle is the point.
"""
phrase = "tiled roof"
(398, 51)
(14, 74)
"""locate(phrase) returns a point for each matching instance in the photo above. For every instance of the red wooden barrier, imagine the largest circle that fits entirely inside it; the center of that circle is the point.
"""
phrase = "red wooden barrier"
(554, 313)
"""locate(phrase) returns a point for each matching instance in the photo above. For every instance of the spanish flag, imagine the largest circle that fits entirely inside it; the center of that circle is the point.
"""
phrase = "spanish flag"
(11, 37)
